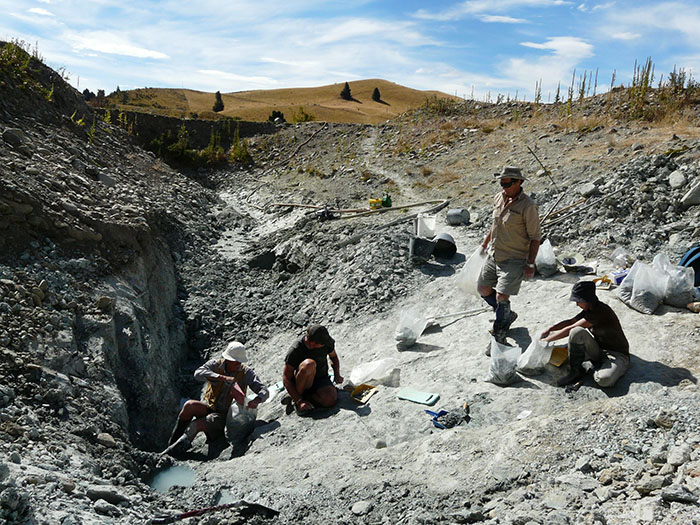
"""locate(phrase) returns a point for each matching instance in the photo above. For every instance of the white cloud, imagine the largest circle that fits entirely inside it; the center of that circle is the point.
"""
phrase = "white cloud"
(502, 19)
(224, 76)
(582, 8)
(110, 43)
(475, 7)
(599, 7)
(625, 35)
(569, 47)
(40, 11)
(402, 32)
(45, 1)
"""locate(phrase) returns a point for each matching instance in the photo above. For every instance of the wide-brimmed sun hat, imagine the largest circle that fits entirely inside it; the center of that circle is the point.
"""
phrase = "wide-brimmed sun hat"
(235, 351)
(510, 172)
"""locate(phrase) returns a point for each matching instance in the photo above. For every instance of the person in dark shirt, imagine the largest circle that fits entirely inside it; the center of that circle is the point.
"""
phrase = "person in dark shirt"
(595, 335)
(305, 374)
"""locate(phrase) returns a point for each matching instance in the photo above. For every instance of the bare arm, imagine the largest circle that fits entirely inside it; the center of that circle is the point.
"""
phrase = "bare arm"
(289, 383)
(335, 363)
(487, 239)
(562, 329)
(532, 251)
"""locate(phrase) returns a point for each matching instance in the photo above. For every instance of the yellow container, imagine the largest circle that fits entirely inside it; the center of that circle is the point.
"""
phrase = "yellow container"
(375, 204)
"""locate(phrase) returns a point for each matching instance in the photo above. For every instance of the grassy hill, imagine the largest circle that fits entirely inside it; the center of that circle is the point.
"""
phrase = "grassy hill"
(321, 103)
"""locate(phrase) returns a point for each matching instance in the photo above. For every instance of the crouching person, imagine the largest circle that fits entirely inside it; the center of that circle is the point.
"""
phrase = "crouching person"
(595, 335)
(228, 379)
(305, 374)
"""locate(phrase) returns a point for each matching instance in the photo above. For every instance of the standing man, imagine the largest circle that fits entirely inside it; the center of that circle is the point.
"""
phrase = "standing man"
(305, 374)
(515, 238)
(595, 335)
(228, 379)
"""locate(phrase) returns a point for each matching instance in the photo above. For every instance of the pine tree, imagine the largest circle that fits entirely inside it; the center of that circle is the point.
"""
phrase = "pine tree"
(219, 103)
(376, 96)
(345, 94)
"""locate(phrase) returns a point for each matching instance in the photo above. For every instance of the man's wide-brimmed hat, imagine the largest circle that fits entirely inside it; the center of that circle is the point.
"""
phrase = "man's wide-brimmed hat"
(235, 351)
(584, 292)
(510, 172)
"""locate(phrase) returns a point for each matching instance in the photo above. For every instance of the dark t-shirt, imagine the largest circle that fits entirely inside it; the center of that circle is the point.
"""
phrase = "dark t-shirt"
(299, 352)
(606, 328)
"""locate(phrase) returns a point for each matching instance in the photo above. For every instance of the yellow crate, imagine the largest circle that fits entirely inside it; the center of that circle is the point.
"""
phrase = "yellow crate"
(375, 204)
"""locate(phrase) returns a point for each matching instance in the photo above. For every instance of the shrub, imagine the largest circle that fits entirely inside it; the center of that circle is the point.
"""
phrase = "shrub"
(218, 103)
(376, 96)
(302, 116)
(276, 115)
(345, 94)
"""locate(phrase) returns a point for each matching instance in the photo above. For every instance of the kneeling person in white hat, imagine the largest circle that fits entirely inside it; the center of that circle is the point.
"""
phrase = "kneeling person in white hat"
(228, 379)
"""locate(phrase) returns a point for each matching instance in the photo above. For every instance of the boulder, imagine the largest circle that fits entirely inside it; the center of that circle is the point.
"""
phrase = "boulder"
(692, 197)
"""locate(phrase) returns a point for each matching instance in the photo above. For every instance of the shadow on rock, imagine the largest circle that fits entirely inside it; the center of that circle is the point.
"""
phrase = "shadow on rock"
(345, 402)
(418, 347)
(642, 371)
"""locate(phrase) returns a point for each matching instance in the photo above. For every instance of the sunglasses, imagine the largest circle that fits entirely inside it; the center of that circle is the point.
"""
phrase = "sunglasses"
(508, 184)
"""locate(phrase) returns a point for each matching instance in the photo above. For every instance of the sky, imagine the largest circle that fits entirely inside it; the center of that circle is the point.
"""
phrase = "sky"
(472, 49)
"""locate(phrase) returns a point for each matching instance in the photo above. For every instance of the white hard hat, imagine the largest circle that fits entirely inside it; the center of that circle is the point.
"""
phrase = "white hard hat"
(235, 351)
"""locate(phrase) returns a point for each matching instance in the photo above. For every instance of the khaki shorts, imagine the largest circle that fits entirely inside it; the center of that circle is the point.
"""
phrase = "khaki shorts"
(505, 276)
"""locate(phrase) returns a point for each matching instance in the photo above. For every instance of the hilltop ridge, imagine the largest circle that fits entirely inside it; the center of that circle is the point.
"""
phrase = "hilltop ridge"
(321, 103)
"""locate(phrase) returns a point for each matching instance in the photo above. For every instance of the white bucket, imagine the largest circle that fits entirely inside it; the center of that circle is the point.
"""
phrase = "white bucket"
(425, 226)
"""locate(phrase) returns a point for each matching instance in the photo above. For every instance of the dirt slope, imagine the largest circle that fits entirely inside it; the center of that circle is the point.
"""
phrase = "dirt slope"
(120, 275)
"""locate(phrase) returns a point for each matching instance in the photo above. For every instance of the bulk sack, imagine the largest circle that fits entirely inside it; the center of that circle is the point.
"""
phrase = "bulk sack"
(504, 359)
(535, 358)
(468, 278)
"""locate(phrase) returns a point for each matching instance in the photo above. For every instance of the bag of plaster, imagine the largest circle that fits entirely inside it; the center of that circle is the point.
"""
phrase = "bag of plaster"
(379, 372)
(468, 278)
(410, 327)
(546, 261)
(504, 359)
(648, 288)
(240, 423)
(679, 286)
(535, 358)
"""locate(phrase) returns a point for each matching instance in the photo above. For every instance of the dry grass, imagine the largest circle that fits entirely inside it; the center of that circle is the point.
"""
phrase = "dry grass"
(324, 102)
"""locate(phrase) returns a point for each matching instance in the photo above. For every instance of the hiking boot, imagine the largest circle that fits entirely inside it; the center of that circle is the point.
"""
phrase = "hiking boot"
(577, 354)
(513, 317)
(288, 404)
(182, 445)
(179, 429)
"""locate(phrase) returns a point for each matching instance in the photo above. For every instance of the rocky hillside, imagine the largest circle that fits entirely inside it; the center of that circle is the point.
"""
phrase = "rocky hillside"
(120, 274)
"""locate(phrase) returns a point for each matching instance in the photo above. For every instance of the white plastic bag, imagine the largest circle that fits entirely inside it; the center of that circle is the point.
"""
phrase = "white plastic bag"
(504, 359)
(468, 277)
(624, 292)
(240, 422)
(546, 262)
(410, 327)
(535, 358)
(680, 281)
(379, 372)
(648, 288)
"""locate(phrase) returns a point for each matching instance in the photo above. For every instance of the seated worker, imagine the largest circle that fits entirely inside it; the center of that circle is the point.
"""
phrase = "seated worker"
(228, 379)
(595, 335)
(305, 374)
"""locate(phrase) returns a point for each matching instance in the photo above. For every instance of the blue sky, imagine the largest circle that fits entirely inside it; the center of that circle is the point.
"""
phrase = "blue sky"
(462, 47)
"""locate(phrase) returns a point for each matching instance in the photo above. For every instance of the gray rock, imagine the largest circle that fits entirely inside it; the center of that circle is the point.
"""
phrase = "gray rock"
(678, 493)
(15, 137)
(587, 189)
(649, 484)
(677, 179)
(679, 455)
(105, 439)
(15, 457)
(106, 493)
(360, 508)
(106, 509)
(692, 197)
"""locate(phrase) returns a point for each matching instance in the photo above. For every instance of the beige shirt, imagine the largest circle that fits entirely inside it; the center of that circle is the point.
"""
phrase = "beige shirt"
(514, 227)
